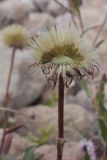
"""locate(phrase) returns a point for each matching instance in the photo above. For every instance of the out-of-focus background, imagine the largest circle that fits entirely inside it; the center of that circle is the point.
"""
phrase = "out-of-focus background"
(32, 95)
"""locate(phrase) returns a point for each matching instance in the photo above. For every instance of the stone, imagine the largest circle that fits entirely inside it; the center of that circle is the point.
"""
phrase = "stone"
(41, 5)
(71, 149)
(14, 11)
(55, 9)
(25, 88)
(36, 21)
(29, 88)
(45, 118)
(18, 144)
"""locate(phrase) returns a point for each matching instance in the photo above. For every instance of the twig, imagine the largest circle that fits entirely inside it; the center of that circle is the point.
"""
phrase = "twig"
(6, 99)
(88, 29)
(80, 20)
(100, 30)
(14, 111)
(13, 129)
(69, 10)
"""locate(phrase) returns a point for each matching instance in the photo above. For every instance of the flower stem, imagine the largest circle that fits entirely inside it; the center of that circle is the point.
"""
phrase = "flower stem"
(60, 143)
(6, 99)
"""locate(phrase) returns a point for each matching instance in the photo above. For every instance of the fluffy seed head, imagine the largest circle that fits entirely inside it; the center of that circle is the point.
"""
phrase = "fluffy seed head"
(61, 50)
(15, 36)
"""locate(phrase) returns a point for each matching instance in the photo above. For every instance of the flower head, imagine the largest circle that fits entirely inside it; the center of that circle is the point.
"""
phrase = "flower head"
(61, 50)
(94, 147)
(15, 36)
(87, 146)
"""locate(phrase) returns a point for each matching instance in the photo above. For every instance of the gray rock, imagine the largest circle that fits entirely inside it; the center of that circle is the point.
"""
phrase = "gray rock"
(41, 5)
(36, 21)
(14, 11)
(71, 149)
(29, 88)
(25, 88)
(55, 9)
(46, 118)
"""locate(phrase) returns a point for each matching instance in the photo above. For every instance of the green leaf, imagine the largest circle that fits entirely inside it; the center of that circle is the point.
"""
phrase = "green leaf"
(76, 4)
(51, 101)
(100, 97)
(29, 155)
(45, 136)
(103, 129)
(104, 116)
(32, 137)
(85, 87)
(86, 157)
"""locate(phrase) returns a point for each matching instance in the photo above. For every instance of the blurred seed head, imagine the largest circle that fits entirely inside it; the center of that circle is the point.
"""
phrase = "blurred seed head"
(15, 36)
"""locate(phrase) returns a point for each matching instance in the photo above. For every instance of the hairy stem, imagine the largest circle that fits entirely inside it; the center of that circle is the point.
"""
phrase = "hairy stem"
(6, 99)
(60, 143)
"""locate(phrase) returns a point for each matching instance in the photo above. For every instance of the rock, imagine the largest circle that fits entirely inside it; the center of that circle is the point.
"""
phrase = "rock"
(4, 68)
(70, 150)
(25, 88)
(18, 145)
(55, 9)
(41, 5)
(45, 118)
(14, 11)
(92, 13)
(97, 2)
(28, 88)
(37, 20)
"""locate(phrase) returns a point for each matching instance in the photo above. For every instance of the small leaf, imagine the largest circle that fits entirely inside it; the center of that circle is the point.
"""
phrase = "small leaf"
(86, 157)
(104, 116)
(103, 129)
(45, 136)
(76, 4)
(100, 97)
(85, 87)
(29, 155)
(32, 137)
(51, 101)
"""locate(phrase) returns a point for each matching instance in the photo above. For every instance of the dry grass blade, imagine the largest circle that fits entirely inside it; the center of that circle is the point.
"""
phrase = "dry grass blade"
(69, 10)
(100, 29)
(14, 111)
(99, 43)
(80, 20)
(88, 29)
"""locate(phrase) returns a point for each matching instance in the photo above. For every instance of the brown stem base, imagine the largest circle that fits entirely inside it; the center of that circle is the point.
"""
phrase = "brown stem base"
(60, 146)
